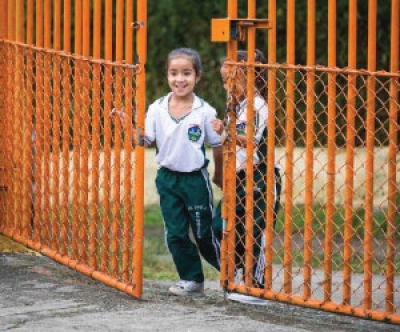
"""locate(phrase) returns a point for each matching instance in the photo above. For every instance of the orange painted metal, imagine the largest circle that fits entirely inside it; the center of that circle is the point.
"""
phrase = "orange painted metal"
(229, 162)
(369, 163)
(47, 125)
(331, 167)
(350, 155)
(309, 162)
(290, 109)
(392, 172)
(270, 180)
(84, 132)
(116, 176)
(138, 236)
(95, 139)
(249, 207)
(127, 199)
(3, 19)
(76, 127)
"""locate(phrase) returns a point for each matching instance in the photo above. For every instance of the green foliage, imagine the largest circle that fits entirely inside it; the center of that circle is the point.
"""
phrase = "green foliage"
(175, 23)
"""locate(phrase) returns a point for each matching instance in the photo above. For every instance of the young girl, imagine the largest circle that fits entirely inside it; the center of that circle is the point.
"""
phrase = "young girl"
(180, 125)
(259, 162)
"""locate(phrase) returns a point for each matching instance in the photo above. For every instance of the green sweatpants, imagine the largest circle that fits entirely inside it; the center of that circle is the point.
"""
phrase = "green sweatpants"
(186, 202)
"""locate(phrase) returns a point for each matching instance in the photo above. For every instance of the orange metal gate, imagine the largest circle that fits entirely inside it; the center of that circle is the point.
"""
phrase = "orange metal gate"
(71, 185)
(334, 132)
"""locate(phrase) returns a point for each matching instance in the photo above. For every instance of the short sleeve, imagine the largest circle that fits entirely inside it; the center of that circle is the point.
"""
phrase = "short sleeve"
(150, 125)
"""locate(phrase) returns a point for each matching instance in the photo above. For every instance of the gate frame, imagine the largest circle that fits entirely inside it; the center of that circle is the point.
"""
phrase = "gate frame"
(232, 29)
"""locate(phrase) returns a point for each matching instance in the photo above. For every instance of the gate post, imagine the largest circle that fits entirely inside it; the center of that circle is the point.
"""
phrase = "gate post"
(3, 99)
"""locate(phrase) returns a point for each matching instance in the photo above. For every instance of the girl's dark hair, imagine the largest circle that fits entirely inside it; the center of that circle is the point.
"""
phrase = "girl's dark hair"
(190, 53)
(261, 72)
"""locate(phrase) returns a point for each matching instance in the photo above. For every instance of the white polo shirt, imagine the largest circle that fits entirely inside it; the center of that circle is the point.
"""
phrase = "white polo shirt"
(260, 120)
(181, 142)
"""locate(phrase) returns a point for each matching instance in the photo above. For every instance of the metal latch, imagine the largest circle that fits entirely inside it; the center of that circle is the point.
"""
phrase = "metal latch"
(226, 29)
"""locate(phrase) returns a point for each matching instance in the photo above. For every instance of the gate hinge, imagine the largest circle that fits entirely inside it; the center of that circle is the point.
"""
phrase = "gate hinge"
(226, 29)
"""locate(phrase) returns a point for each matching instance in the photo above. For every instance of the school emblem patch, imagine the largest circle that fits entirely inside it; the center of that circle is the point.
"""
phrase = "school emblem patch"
(194, 132)
(241, 128)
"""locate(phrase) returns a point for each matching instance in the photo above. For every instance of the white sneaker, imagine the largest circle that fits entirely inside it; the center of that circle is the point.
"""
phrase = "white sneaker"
(247, 299)
(187, 288)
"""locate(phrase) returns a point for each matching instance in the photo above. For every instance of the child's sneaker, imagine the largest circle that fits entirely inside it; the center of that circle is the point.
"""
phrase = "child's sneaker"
(187, 288)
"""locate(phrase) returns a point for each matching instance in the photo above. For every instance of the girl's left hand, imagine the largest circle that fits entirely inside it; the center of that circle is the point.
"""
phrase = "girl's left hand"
(218, 126)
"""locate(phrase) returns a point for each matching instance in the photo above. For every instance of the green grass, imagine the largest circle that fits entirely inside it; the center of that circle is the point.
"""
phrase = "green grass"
(158, 263)
(379, 218)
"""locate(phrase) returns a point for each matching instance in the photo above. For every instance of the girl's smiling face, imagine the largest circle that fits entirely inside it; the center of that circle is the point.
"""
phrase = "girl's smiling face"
(182, 76)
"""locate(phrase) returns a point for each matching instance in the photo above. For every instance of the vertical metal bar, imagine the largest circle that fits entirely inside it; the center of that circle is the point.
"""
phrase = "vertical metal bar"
(9, 115)
(129, 96)
(38, 110)
(290, 121)
(3, 18)
(30, 22)
(85, 123)
(47, 124)
(18, 119)
(392, 177)
(229, 182)
(76, 132)
(19, 22)
(57, 25)
(67, 26)
(29, 134)
(369, 163)
(271, 144)
(309, 163)
(138, 239)
(107, 135)
(96, 95)
(350, 152)
(248, 71)
(330, 189)
(39, 23)
(129, 36)
(116, 193)
(56, 114)
(4, 167)
(11, 110)
(47, 24)
(11, 20)
(66, 108)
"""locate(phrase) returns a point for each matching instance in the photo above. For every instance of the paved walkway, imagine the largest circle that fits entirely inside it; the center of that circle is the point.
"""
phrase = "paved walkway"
(38, 294)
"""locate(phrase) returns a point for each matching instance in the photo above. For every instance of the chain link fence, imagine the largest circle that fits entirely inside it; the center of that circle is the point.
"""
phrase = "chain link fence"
(67, 169)
(334, 242)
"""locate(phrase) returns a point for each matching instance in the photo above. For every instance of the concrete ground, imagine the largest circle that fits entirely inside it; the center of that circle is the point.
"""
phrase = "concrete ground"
(38, 294)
